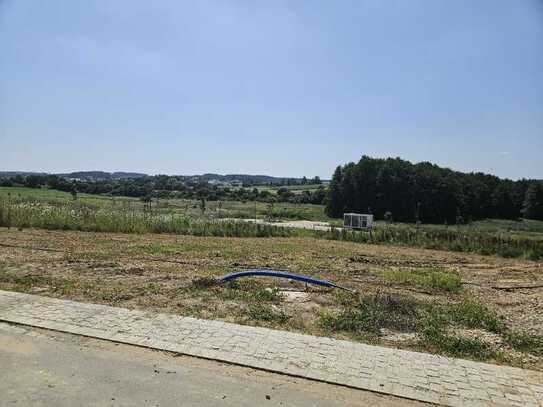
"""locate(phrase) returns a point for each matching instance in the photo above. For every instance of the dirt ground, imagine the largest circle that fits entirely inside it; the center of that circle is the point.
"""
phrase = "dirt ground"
(296, 224)
(158, 272)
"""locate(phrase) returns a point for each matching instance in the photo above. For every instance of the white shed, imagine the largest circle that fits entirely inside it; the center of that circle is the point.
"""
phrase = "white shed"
(357, 221)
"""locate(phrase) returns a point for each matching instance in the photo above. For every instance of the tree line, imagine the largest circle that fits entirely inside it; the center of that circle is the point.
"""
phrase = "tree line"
(393, 188)
(167, 187)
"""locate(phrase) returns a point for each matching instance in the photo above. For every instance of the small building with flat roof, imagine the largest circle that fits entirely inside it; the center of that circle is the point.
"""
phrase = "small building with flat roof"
(359, 221)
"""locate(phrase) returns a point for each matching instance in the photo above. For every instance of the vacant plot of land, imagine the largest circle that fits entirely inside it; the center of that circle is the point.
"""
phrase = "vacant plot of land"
(47, 209)
(480, 307)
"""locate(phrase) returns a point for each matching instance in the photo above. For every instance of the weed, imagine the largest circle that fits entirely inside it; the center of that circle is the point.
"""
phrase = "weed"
(204, 283)
(249, 291)
(63, 287)
(345, 298)
(432, 322)
(525, 342)
(88, 256)
(153, 288)
(23, 282)
(373, 313)
(434, 336)
(473, 314)
(266, 313)
(162, 249)
(245, 291)
(114, 295)
(463, 347)
(533, 254)
(432, 278)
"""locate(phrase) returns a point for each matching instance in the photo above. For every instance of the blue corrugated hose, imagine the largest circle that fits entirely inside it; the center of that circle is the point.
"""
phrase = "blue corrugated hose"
(279, 274)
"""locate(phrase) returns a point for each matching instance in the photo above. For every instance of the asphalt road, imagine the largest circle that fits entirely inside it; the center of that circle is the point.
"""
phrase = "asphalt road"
(45, 368)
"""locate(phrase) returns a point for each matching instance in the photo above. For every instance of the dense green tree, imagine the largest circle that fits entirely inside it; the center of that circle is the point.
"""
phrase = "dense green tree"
(33, 181)
(533, 202)
(6, 182)
(73, 191)
(334, 199)
(502, 202)
(436, 194)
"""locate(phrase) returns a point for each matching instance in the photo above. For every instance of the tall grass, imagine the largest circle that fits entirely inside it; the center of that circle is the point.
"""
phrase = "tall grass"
(88, 217)
(473, 241)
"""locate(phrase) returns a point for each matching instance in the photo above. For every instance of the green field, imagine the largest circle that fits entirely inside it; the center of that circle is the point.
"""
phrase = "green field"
(43, 194)
(186, 207)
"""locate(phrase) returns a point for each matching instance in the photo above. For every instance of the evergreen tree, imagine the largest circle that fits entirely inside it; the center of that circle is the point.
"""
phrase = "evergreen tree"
(73, 191)
(502, 202)
(349, 187)
(533, 202)
(334, 199)
(438, 194)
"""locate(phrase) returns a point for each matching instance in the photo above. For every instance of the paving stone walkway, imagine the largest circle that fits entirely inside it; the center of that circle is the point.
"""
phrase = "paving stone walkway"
(401, 373)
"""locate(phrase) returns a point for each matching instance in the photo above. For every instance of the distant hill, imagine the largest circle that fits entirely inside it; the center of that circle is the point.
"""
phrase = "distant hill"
(101, 175)
(80, 175)
(23, 173)
(247, 179)
(105, 176)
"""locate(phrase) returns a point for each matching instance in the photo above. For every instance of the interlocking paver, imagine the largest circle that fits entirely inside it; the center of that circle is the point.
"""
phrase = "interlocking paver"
(420, 376)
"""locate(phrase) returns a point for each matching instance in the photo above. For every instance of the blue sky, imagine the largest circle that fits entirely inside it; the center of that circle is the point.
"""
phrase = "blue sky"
(285, 88)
